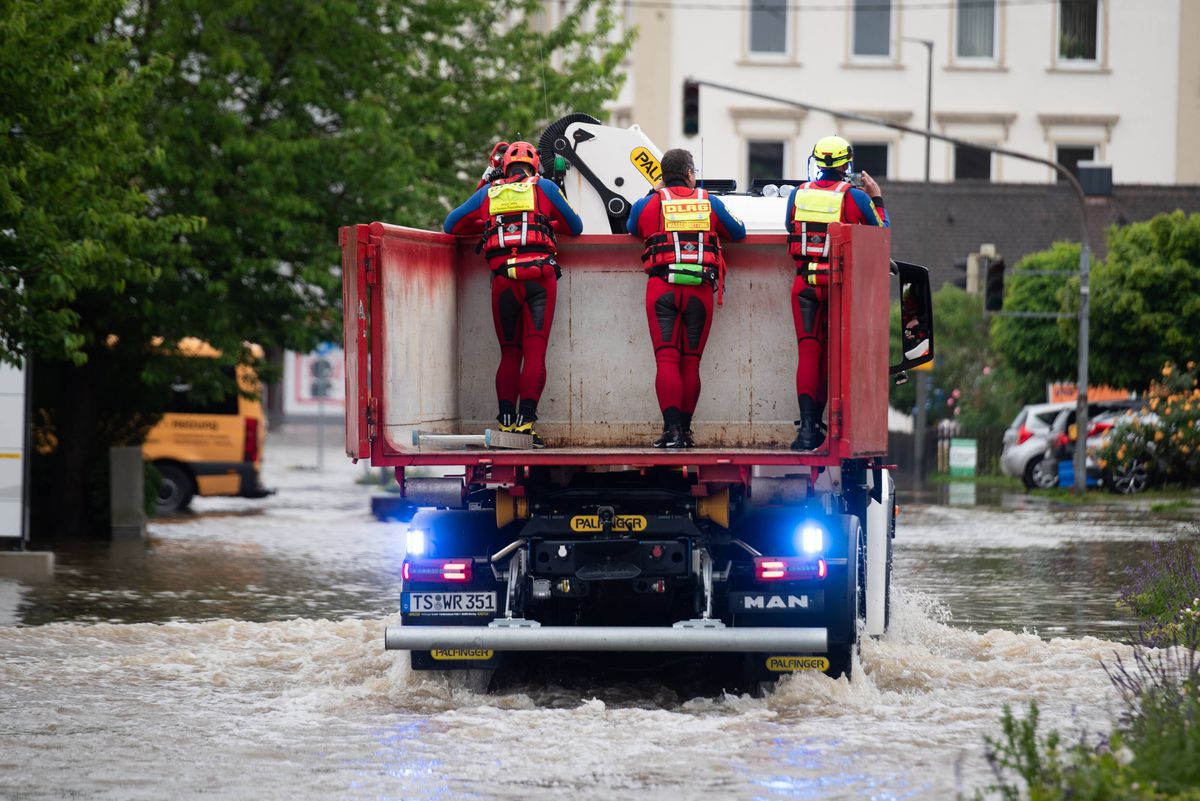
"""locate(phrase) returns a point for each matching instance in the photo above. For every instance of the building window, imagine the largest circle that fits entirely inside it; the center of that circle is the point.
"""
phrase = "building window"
(768, 26)
(1070, 155)
(972, 162)
(976, 29)
(872, 27)
(765, 160)
(1078, 29)
(871, 157)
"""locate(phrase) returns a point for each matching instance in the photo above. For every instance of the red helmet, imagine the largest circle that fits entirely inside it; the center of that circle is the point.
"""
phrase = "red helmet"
(522, 153)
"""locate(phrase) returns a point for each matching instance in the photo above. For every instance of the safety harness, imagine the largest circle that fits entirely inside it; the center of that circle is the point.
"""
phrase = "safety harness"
(808, 240)
(686, 251)
(517, 231)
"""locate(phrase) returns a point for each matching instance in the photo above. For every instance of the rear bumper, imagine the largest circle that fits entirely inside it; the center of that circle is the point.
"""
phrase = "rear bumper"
(686, 638)
(246, 473)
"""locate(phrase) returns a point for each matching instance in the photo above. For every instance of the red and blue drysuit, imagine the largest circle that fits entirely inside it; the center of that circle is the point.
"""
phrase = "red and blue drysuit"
(680, 314)
(808, 244)
(518, 241)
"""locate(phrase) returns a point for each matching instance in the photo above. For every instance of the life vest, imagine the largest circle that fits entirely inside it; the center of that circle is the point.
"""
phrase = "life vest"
(686, 250)
(515, 231)
(808, 237)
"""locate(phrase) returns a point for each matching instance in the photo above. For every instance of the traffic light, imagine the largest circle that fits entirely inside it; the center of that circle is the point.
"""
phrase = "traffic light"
(993, 293)
(691, 108)
(961, 282)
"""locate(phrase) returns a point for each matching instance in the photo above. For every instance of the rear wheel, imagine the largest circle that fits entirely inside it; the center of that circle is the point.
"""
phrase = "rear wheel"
(1040, 473)
(1128, 479)
(176, 489)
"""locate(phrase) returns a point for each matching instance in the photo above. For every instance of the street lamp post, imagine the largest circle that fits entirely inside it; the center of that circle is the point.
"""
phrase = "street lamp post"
(921, 420)
(1081, 417)
(928, 94)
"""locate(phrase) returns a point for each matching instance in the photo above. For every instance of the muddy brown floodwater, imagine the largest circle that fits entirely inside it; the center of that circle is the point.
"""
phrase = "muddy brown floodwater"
(239, 655)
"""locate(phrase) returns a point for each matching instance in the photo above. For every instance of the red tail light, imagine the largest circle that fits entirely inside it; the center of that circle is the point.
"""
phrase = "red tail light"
(781, 568)
(1099, 429)
(449, 571)
(1023, 434)
(1063, 440)
(250, 441)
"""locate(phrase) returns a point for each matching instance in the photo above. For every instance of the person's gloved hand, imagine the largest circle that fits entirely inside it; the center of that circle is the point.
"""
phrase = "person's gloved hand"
(495, 165)
(497, 157)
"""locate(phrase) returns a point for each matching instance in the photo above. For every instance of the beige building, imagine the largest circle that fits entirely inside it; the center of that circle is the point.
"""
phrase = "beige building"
(1113, 81)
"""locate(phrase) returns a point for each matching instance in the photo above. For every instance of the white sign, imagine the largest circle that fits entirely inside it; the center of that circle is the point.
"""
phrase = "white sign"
(962, 457)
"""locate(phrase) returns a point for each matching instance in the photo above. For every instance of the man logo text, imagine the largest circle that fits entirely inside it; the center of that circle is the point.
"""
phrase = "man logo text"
(775, 602)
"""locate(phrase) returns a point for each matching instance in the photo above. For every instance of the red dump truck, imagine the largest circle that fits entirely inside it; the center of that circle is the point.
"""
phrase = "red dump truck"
(741, 551)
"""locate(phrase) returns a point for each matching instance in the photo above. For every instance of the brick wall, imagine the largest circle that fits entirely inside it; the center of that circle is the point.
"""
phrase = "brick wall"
(938, 224)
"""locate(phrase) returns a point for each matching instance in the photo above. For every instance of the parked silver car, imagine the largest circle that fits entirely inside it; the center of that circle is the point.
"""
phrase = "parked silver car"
(1025, 440)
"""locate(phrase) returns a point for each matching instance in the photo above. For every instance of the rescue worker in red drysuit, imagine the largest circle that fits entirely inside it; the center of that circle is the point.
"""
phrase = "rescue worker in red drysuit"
(682, 227)
(810, 208)
(519, 215)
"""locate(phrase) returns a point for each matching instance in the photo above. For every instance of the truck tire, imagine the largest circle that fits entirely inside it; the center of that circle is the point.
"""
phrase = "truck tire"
(1040, 473)
(175, 490)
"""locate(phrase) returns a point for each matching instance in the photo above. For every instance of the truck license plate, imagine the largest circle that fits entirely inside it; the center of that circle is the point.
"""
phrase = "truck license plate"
(448, 603)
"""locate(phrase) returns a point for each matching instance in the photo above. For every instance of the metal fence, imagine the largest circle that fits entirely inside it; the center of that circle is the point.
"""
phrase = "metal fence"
(989, 444)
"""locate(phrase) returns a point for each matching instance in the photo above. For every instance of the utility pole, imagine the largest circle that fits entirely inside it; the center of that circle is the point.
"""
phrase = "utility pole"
(921, 418)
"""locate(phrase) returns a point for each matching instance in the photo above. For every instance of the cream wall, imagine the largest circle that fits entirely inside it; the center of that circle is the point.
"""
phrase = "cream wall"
(1142, 90)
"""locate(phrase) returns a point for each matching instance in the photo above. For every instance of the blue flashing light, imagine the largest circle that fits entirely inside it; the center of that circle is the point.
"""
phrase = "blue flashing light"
(415, 542)
(811, 538)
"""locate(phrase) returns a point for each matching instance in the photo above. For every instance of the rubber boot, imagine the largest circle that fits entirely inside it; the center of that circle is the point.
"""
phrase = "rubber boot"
(810, 432)
(525, 419)
(671, 439)
(672, 435)
(508, 416)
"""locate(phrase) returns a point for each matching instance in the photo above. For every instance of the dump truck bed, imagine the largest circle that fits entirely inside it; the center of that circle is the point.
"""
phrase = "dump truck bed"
(422, 353)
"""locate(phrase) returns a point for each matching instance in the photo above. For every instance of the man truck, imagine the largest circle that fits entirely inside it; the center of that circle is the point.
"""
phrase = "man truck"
(739, 551)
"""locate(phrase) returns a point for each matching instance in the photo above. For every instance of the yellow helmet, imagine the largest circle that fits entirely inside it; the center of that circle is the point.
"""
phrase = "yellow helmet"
(832, 151)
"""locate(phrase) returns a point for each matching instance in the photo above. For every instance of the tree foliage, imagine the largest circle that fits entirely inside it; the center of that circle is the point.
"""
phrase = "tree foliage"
(74, 207)
(176, 169)
(1145, 308)
(1038, 351)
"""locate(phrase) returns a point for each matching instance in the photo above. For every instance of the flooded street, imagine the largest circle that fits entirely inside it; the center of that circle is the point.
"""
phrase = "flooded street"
(239, 654)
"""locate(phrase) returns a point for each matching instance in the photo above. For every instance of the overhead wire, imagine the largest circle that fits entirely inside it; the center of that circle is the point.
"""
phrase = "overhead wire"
(879, 5)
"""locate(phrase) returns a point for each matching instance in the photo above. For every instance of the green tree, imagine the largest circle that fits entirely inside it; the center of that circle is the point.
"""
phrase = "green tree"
(79, 234)
(74, 211)
(270, 125)
(1037, 351)
(1145, 309)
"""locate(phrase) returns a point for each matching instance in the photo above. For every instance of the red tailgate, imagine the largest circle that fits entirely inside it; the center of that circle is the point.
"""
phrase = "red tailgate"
(858, 338)
(356, 322)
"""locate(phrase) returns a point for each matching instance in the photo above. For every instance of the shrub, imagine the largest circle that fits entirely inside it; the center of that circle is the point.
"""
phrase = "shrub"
(1162, 592)
(1165, 436)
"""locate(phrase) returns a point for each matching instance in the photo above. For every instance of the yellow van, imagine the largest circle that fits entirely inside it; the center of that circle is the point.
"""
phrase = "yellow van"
(210, 448)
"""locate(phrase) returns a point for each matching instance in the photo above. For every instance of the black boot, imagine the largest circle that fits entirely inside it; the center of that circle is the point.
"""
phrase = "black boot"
(672, 435)
(525, 426)
(810, 431)
(689, 441)
(672, 438)
(508, 416)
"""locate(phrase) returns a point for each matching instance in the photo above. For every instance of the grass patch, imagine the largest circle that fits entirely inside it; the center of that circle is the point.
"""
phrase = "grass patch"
(1171, 506)
(1005, 482)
